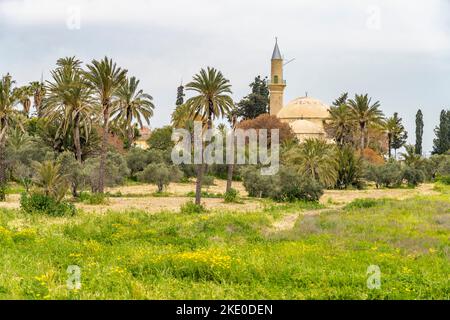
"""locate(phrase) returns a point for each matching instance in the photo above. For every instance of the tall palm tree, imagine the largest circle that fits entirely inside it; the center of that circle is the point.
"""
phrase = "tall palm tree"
(316, 159)
(69, 98)
(132, 104)
(212, 100)
(8, 99)
(105, 79)
(364, 112)
(38, 89)
(340, 123)
(232, 119)
(391, 128)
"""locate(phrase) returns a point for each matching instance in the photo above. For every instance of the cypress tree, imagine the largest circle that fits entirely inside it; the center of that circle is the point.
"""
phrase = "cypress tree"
(180, 95)
(442, 131)
(419, 132)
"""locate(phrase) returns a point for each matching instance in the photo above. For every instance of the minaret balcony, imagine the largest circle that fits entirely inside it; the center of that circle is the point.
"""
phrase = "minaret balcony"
(272, 82)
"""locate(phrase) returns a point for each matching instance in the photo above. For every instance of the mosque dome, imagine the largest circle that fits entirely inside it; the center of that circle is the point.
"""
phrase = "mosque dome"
(302, 127)
(304, 108)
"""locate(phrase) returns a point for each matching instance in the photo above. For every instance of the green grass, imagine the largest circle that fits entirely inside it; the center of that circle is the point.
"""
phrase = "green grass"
(229, 255)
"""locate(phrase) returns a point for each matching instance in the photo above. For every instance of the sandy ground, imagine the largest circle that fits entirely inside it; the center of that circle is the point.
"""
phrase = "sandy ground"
(346, 196)
(179, 190)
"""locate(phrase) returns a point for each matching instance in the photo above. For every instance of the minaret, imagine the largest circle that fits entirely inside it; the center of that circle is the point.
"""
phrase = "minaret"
(276, 83)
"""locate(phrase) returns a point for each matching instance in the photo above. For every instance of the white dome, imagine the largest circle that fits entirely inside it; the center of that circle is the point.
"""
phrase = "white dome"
(304, 108)
(306, 127)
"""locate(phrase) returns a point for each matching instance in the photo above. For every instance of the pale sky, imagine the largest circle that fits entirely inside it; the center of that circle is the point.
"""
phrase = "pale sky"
(397, 51)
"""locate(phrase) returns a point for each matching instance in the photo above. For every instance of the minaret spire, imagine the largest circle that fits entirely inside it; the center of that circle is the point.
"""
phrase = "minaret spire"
(276, 55)
(277, 83)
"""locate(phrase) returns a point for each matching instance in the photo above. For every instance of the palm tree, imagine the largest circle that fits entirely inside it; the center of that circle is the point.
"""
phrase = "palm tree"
(38, 90)
(364, 112)
(132, 104)
(410, 157)
(105, 78)
(69, 98)
(391, 128)
(212, 101)
(340, 123)
(232, 119)
(48, 176)
(23, 94)
(8, 99)
(316, 159)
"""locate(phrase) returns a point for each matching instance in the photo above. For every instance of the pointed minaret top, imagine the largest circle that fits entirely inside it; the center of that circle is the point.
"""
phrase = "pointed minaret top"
(276, 55)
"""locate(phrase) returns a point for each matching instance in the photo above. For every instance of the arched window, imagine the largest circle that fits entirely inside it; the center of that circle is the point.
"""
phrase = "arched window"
(275, 79)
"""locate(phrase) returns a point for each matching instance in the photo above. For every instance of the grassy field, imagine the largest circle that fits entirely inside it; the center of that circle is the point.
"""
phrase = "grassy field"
(323, 254)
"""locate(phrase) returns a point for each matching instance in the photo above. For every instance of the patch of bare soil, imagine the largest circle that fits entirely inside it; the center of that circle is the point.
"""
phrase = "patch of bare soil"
(156, 204)
(346, 196)
(179, 189)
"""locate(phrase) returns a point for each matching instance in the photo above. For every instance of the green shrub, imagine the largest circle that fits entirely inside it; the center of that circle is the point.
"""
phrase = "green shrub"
(93, 198)
(2, 192)
(443, 179)
(256, 184)
(364, 203)
(385, 175)
(41, 204)
(190, 208)
(413, 176)
(349, 169)
(160, 174)
(205, 194)
(231, 196)
(286, 185)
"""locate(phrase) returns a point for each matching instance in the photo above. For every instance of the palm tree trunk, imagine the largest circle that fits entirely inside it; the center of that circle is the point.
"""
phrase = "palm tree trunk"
(362, 125)
(389, 145)
(104, 149)
(3, 129)
(230, 168)
(76, 137)
(129, 129)
(2, 168)
(200, 172)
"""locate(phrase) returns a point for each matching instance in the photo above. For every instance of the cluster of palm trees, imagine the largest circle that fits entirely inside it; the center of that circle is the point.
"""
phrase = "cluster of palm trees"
(362, 116)
(77, 99)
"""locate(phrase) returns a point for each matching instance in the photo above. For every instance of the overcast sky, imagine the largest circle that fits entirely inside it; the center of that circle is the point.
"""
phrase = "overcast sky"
(397, 51)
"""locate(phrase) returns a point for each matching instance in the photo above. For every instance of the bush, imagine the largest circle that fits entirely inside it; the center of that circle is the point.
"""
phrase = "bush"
(444, 179)
(231, 196)
(364, 203)
(190, 208)
(160, 174)
(42, 204)
(413, 176)
(93, 198)
(286, 185)
(115, 172)
(349, 169)
(3, 192)
(387, 175)
(256, 184)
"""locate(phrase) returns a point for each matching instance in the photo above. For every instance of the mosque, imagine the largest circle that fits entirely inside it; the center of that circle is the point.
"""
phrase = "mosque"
(305, 115)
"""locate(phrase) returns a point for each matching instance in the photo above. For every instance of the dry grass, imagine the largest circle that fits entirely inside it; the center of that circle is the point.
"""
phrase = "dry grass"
(178, 192)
